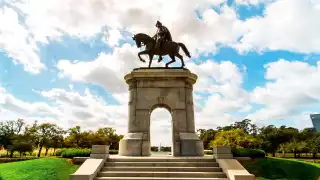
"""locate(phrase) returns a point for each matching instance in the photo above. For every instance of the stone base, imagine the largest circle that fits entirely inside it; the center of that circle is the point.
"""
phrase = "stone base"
(99, 152)
(99, 156)
(222, 152)
(190, 145)
(134, 145)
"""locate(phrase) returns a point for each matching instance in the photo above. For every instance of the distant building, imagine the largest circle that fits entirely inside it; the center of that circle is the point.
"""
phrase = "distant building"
(315, 118)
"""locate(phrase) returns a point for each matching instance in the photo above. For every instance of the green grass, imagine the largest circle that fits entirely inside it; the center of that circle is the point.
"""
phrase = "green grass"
(282, 169)
(45, 168)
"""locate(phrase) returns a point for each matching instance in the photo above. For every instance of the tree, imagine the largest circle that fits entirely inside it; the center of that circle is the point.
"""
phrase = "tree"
(22, 144)
(206, 136)
(8, 132)
(270, 139)
(235, 138)
(42, 133)
(75, 135)
(56, 139)
(314, 146)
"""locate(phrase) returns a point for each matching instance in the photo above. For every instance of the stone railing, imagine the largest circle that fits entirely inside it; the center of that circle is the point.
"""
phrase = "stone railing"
(233, 169)
(91, 166)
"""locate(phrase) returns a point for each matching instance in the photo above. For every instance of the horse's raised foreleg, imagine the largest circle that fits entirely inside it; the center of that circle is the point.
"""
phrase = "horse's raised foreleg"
(172, 60)
(181, 58)
(141, 53)
(150, 59)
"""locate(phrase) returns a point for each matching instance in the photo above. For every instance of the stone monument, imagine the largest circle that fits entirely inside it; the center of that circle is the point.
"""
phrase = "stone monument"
(170, 88)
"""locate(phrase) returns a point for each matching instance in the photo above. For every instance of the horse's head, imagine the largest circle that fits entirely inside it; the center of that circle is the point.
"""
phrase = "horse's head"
(141, 39)
(137, 40)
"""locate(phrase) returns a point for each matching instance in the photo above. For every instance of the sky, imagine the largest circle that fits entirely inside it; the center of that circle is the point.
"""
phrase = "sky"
(63, 61)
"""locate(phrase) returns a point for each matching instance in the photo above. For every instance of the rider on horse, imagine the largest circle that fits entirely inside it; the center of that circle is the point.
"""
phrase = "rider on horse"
(162, 35)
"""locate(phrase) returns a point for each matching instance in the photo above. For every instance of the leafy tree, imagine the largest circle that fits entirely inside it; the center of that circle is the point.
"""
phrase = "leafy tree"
(8, 132)
(235, 138)
(314, 146)
(206, 136)
(75, 135)
(55, 140)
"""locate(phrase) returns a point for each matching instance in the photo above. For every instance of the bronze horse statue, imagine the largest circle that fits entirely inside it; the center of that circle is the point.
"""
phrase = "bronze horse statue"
(170, 48)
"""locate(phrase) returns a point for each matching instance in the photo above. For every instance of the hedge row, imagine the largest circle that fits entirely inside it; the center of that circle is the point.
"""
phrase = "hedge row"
(239, 152)
(244, 152)
(7, 159)
(76, 152)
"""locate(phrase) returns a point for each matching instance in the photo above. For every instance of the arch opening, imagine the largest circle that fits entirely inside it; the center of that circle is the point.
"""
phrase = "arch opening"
(161, 131)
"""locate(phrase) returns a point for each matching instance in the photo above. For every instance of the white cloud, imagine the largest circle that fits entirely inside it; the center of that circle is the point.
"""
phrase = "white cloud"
(67, 109)
(291, 85)
(9, 102)
(291, 25)
(107, 70)
(224, 95)
(252, 2)
(51, 20)
(17, 42)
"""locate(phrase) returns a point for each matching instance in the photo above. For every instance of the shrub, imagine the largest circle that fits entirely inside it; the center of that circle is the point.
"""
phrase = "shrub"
(7, 160)
(208, 152)
(113, 151)
(244, 152)
(60, 151)
(74, 152)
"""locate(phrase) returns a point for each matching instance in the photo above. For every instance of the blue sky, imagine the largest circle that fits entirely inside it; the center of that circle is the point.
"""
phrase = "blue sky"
(254, 59)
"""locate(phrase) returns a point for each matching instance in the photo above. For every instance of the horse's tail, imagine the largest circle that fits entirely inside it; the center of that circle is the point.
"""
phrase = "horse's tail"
(185, 50)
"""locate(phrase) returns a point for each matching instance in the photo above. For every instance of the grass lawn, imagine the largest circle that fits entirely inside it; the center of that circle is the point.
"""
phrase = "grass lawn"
(284, 169)
(38, 169)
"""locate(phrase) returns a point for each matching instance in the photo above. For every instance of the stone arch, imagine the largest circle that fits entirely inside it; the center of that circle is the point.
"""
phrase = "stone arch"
(165, 106)
(158, 87)
(169, 124)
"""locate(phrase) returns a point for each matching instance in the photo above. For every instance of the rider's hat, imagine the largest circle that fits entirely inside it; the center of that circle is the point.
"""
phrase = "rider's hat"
(158, 23)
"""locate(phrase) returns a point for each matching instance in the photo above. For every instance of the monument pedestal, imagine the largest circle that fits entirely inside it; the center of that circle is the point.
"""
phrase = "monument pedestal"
(150, 88)
(133, 144)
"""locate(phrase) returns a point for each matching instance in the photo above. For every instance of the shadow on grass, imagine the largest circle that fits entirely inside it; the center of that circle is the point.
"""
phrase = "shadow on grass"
(276, 168)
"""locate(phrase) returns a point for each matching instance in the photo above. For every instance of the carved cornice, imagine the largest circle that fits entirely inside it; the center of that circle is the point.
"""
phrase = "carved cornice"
(161, 73)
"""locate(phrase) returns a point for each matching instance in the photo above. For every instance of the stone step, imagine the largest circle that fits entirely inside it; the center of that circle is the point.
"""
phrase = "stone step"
(161, 169)
(156, 178)
(162, 164)
(154, 159)
(162, 174)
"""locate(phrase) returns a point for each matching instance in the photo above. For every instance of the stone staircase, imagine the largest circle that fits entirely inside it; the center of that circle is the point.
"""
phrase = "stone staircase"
(161, 168)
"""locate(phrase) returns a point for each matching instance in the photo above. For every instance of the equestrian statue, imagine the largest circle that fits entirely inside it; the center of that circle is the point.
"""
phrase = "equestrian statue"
(160, 44)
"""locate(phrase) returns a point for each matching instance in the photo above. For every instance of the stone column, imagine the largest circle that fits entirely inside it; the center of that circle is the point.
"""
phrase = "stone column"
(190, 108)
(132, 107)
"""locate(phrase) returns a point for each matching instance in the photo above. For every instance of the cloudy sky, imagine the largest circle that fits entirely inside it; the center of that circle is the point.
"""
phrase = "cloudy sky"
(63, 61)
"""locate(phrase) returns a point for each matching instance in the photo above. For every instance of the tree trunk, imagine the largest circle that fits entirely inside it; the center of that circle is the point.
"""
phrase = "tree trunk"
(314, 155)
(47, 149)
(40, 149)
(54, 151)
(11, 153)
(295, 154)
(273, 154)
